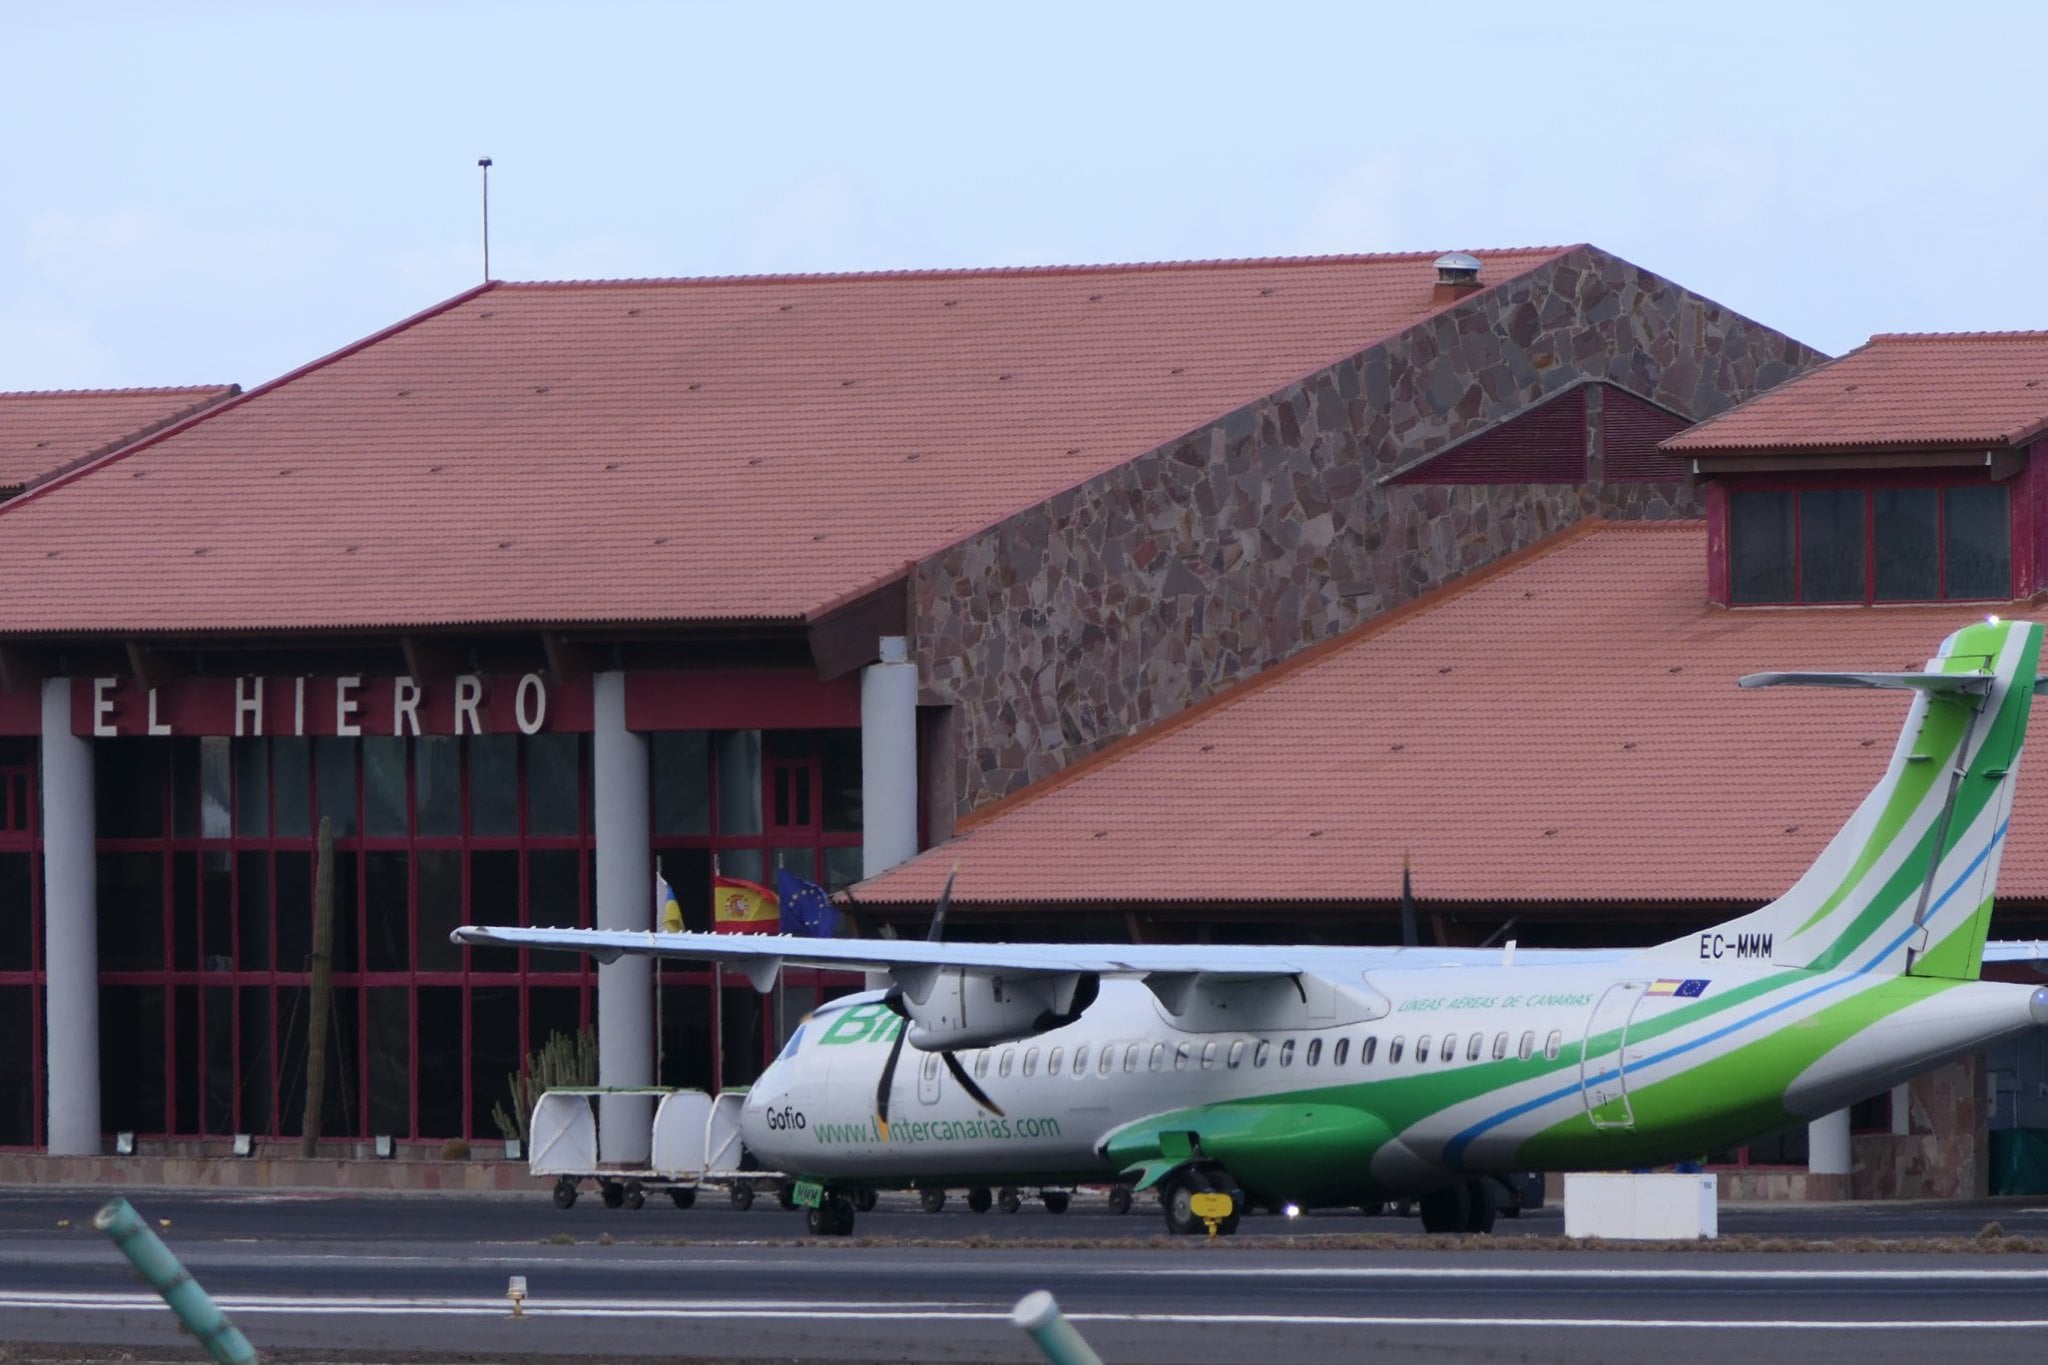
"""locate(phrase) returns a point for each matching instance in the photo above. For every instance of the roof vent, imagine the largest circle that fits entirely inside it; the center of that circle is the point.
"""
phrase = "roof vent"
(1457, 274)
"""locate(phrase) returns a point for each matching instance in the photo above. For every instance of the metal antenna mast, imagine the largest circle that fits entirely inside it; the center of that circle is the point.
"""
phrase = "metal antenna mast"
(484, 162)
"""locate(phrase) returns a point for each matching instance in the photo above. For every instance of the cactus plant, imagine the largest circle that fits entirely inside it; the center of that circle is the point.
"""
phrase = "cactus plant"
(564, 1060)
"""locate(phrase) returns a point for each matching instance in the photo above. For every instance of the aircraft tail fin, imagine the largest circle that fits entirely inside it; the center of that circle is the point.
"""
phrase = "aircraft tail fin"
(1905, 887)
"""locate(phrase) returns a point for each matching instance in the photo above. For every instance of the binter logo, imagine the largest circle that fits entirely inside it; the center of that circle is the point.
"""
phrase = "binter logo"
(1741, 946)
(870, 1023)
(786, 1118)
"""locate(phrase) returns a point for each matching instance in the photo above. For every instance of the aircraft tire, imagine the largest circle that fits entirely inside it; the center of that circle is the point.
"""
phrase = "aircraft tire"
(1176, 1197)
(979, 1198)
(682, 1199)
(1221, 1183)
(818, 1221)
(565, 1193)
(1056, 1201)
(742, 1196)
(1446, 1210)
(931, 1201)
(864, 1201)
(614, 1194)
(1009, 1201)
(785, 1195)
(1481, 1204)
(1119, 1198)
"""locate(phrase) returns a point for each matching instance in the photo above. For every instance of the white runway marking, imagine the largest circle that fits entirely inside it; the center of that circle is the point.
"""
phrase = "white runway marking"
(265, 1305)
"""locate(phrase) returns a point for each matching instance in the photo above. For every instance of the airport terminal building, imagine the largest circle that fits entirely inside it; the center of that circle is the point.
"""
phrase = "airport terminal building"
(1169, 601)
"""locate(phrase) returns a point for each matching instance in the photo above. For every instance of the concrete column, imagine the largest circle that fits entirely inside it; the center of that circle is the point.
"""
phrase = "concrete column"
(888, 758)
(71, 954)
(625, 900)
(1827, 1144)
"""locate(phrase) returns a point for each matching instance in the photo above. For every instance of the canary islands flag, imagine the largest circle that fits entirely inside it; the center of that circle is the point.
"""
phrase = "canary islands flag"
(743, 907)
(668, 911)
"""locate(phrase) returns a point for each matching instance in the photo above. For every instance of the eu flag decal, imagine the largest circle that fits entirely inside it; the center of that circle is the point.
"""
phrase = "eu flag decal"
(1690, 989)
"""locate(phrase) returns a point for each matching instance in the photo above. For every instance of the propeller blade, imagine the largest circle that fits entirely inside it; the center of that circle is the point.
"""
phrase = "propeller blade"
(889, 1079)
(979, 1095)
(939, 911)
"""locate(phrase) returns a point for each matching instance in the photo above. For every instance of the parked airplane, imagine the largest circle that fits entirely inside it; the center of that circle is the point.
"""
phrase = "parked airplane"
(1324, 1076)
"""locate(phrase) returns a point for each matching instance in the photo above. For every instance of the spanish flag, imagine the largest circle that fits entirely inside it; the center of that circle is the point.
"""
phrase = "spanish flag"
(742, 907)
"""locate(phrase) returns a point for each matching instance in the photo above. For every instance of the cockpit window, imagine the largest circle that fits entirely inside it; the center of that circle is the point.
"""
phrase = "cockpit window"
(789, 1048)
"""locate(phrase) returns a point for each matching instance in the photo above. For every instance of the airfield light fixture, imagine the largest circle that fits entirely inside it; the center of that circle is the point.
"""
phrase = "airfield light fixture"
(1292, 1210)
(515, 1290)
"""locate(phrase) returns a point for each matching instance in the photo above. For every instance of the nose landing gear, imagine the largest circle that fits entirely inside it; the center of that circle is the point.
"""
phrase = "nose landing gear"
(1177, 1196)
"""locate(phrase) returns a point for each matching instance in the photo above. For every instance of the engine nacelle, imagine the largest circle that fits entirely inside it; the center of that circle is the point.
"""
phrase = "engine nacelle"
(955, 1007)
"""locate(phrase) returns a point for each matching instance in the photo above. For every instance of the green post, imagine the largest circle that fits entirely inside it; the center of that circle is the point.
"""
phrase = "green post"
(156, 1264)
(1039, 1314)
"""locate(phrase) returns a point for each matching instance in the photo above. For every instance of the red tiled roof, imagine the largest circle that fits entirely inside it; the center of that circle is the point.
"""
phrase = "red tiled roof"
(1911, 390)
(677, 450)
(1567, 729)
(42, 433)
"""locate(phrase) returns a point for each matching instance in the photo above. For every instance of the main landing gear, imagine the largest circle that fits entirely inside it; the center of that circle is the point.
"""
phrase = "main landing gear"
(1467, 1207)
(1177, 1197)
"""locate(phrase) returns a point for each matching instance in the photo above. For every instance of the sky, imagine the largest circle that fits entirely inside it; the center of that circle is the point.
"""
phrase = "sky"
(214, 193)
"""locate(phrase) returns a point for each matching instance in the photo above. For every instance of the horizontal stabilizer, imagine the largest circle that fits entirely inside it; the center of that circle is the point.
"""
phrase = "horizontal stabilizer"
(1973, 684)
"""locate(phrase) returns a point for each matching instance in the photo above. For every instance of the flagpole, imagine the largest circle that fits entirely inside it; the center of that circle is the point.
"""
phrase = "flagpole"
(657, 974)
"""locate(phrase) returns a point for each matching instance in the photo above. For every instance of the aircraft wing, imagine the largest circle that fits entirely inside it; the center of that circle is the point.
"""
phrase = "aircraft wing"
(1215, 961)
(2016, 950)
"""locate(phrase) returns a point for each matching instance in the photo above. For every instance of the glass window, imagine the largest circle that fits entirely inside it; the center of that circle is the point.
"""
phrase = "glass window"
(1394, 1051)
(1158, 1058)
(291, 786)
(1287, 1052)
(1422, 1048)
(252, 788)
(1977, 559)
(843, 867)
(1108, 1062)
(440, 908)
(681, 777)
(1500, 1046)
(386, 882)
(1760, 547)
(1904, 536)
(1340, 1052)
(554, 784)
(1528, 1046)
(216, 789)
(1831, 564)
(839, 767)
(334, 768)
(1236, 1055)
(1261, 1053)
(437, 785)
(1367, 1048)
(1030, 1061)
(1449, 1051)
(130, 895)
(1315, 1052)
(494, 899)
(554, 882)
(981, 1065)
(1081, 1059)
(1131, 1057)
(1052, 1061)
(1208, 1056)
(293, 874)
(390, 1058)
(1472, 1048)
(1553, 1045)
(384, 787)
(254, 1006)
(128, 790)
(739, 782)
(17, 932)
(1181, 1053)
(493, 786)
(1003, 1066)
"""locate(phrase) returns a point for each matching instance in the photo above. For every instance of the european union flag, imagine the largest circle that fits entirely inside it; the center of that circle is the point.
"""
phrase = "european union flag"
(806, 908)
(1691, 988)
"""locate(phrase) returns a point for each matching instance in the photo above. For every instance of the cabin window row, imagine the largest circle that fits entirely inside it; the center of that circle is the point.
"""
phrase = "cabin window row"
(1130, 1058)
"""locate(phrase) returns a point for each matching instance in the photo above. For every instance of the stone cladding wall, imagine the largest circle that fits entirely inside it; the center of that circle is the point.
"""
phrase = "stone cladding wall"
(1201, 563)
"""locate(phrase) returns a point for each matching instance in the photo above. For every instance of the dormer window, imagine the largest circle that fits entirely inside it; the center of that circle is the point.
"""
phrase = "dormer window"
(1869, 544)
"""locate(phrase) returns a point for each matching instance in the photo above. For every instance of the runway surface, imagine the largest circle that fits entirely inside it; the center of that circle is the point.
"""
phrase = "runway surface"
(335, 1277)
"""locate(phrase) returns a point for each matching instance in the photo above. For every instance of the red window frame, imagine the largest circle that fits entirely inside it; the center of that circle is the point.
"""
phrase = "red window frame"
(1867, 488)
(20, 833)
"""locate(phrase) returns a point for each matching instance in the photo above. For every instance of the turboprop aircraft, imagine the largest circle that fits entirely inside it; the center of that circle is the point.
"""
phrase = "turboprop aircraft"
(1328, 1076)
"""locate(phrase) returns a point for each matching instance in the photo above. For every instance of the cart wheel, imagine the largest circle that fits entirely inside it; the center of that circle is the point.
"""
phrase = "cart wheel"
(614, 1194)
(636, 1194)
(785, 1195)
(931, 1200)
(978, 1198)
(1119, 1198)
(1055, 1200)
(565, 1192)
(864, 1201)
(1009, 1201)
(742, 1196)
(682, 1199)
